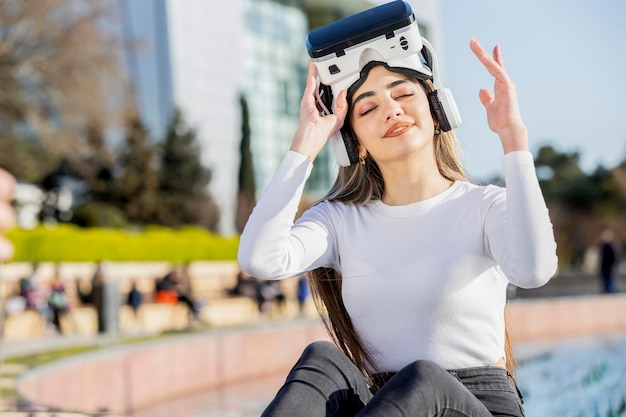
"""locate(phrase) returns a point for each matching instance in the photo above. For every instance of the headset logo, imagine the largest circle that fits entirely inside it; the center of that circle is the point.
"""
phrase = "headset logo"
(404, 43)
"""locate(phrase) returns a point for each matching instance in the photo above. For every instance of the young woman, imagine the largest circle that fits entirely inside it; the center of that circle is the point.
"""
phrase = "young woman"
(409, 260)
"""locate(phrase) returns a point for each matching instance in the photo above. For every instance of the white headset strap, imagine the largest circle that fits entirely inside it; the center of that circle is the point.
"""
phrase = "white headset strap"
(318, 97)
(434, 64)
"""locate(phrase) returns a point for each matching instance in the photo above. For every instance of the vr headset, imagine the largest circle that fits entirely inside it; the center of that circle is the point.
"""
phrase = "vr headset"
(386, 33)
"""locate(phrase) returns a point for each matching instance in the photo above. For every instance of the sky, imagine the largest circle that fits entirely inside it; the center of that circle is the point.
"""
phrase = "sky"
(568, 61)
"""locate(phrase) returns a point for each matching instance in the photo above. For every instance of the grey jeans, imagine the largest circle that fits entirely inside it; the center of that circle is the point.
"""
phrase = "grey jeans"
(324, 382)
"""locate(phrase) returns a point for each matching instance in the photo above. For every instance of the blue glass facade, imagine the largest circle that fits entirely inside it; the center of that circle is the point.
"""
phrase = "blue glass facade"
(147, 60)
(202, 56)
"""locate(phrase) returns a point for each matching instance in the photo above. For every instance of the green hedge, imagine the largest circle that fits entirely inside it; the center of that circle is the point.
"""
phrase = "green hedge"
(67, 243)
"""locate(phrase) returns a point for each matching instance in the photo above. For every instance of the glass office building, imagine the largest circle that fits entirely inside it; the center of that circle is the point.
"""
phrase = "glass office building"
(202, 56)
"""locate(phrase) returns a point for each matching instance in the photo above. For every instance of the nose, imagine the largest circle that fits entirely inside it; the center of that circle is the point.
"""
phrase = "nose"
(393, 109)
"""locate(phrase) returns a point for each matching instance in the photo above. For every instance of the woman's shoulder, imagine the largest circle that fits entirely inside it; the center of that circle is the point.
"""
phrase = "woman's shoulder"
(483, 190)
(485, 195)
(333, 207)
(334, 212)
(325, 210)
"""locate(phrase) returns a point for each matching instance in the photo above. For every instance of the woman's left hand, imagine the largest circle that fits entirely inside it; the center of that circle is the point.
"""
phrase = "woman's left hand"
(503, 115)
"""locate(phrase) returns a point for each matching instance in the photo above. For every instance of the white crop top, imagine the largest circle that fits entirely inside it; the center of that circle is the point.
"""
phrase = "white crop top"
(421, 281)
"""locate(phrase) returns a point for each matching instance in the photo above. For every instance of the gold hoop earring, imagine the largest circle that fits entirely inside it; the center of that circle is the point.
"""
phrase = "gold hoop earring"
(361, 160)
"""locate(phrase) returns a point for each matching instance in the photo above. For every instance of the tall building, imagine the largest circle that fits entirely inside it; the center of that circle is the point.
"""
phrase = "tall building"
(202, 56)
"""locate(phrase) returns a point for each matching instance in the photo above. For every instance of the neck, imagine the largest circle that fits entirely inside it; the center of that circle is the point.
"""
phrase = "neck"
(409, 182)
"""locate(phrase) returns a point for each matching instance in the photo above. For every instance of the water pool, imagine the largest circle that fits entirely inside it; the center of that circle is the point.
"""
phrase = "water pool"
(576, 378)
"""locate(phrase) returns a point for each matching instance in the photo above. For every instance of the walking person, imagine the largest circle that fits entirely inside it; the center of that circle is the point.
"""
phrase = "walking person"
(302, 293)
(609, 260)
(409, 260)
(134, 299)
(58, 302)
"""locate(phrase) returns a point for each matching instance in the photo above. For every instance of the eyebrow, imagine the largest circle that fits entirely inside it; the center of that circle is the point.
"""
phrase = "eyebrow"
(371, 93)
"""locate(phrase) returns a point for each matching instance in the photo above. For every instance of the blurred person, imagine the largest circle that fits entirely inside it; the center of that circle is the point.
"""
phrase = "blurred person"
(58, 302)
(608, 260)
(245, 285)
(164, 288)
(176, 287)
(95, 295)
(302, 292)
(29, 290)
(7, 214)
(248, 286)
(13, 304)
(409, 259)
(36, 299)
(272, 298)
(183, 288)
(134, 298)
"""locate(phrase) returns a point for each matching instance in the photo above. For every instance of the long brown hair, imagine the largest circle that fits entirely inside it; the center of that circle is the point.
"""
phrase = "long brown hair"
(359, 184)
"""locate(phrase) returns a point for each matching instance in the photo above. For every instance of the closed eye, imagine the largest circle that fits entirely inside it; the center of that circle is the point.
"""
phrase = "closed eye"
(366, 111)
(400, 93)
(403, 95)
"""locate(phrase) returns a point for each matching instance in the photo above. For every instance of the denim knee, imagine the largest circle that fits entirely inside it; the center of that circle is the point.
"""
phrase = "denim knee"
(321, 348)
(324, 371)
(324, 361)
(426, 369)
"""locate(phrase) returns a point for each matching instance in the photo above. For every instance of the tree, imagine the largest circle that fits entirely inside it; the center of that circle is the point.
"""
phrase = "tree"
(136, 186)
(58, 67)
(96, 167)
(181, 169)
(247, 189)
(579, 203)
(27, 159)
(563, 183)
(96, 164)
(184, 180)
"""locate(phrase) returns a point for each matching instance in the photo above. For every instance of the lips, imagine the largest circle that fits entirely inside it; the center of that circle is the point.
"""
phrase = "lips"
(398, 129)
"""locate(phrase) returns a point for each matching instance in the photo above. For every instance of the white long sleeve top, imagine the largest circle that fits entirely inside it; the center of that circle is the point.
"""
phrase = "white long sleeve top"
(420, 281)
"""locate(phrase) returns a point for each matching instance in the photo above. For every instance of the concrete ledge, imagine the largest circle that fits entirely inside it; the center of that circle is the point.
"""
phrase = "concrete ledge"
(123, 380)
(547, 319)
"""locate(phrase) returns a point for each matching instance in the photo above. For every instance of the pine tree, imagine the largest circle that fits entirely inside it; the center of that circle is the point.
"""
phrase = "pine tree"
(247, 188)
(183, 179)
(181, 169)
(137, 185)
(96, 163)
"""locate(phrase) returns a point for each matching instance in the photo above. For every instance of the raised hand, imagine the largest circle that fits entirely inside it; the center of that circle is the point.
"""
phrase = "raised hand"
(503, 115)
(7, 215)
(315, 128)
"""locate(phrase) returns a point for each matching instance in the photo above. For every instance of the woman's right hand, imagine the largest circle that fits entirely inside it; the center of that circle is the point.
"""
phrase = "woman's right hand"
(314, 128)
